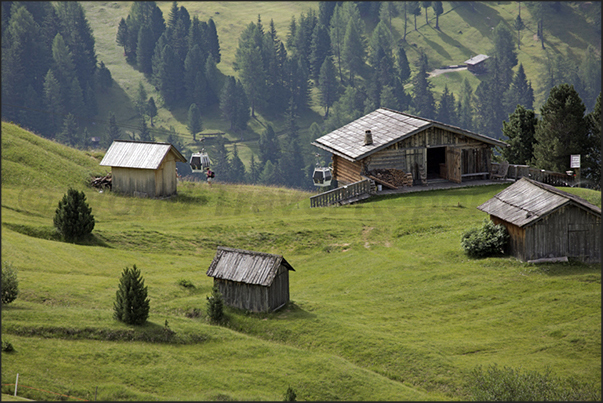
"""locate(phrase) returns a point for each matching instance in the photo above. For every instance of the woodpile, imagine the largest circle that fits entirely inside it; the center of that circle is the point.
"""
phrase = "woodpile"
(102, 182)
(394, 177)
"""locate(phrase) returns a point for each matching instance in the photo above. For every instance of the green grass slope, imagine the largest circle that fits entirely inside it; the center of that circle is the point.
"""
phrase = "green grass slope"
(385, 305)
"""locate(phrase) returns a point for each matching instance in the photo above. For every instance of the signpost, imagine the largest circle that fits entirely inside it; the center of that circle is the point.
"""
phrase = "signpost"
(575, 163)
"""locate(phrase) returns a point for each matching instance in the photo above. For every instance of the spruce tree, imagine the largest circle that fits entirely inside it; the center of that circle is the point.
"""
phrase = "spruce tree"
(269, 147)
(423, 97)
(10, 283)
(69, 134)
(237, 168)
(561, 131)
(141, 99)
(446, 112)
(215, 306)
(144, 50)
(320, 49)
(145, 133)
(73, 217)
(520, 92)
(131, 304)
(327, 85)
(592, 156)
(353, 52)
(113, 131)
(151, 110)
(519, 131)
(213, 41)
(194, 124)
(438, 9)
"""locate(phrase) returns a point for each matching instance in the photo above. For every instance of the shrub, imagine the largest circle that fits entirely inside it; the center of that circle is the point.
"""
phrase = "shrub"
(215, 305)
(508, 384)
(185, 283)
(73, 218)
(488, 240)
(10, 284)
(131, 303)
(7, 347)
(290, 395)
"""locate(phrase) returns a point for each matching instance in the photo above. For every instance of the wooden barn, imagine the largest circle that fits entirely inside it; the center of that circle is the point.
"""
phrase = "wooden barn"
(143, 169)
(545, 222)
(254, 281)
(477, 64)
(388, 139)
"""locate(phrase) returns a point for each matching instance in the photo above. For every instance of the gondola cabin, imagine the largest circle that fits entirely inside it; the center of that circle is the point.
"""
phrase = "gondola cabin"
(322, 176)
(200, 161)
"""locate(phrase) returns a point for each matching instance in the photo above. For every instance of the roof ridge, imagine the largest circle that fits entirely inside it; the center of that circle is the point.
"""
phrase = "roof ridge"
(561, 193)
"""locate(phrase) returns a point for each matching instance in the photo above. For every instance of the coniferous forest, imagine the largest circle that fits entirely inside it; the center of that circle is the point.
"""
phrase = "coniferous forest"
(328, 57)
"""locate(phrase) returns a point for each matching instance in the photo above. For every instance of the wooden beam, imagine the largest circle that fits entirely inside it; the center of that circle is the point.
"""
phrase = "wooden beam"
(384, 183)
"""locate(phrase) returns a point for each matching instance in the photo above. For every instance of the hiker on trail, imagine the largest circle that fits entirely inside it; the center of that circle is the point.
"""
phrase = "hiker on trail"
(210, 175)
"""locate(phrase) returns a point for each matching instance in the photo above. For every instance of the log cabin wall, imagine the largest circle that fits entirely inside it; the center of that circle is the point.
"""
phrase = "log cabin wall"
(517, 238)
(132, 181)
(569, 231)
(346, 171)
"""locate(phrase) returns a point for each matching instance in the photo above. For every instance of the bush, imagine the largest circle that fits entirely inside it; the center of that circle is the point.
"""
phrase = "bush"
(488, 240)
(290, 395)
(508, 384)
(215, 305)
(185, 283)
(10, 284)
(131, 303)
(7, 347)
(73, 218)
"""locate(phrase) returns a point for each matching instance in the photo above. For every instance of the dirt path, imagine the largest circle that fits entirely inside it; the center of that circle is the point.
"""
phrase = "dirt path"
(437, 72)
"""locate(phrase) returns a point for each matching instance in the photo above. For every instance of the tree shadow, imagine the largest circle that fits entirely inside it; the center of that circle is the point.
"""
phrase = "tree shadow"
(479, 16)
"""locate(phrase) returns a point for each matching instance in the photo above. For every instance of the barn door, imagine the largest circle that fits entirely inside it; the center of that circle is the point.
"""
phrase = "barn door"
(453, 164)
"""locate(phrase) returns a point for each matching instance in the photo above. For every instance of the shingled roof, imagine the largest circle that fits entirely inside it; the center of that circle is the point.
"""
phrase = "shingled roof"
(138, 154)
(387, 127)
(526, 201)
(246, 266)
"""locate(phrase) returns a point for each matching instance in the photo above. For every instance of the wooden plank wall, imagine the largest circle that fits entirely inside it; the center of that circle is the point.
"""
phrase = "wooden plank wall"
(134, 181)
(278, 292)
(346, 171)
(516, 245)
(475, 159)
(570, 231)
(243, 296)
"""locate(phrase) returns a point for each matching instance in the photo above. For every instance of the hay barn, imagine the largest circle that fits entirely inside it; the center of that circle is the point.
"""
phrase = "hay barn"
(545, 222)
(143, 169)
(254, 281)
(388, 139)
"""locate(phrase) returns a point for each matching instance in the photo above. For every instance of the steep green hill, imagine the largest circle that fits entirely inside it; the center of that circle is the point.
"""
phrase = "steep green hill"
(385, 305)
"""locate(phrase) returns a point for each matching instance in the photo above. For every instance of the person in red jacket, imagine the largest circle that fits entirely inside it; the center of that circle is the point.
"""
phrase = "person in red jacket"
(210, 175)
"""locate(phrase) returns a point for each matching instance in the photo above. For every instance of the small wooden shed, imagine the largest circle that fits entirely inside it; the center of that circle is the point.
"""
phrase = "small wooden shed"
(254, 281)
(545, 222)
(477, 64)
(388, 139)
(143, 169)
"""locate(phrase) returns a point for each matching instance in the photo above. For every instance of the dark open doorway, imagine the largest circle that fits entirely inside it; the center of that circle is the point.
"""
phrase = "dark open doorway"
(435, 157)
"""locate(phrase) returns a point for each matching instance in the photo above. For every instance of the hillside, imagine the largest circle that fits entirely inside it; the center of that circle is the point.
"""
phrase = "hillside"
(465, 31)
(385, 305)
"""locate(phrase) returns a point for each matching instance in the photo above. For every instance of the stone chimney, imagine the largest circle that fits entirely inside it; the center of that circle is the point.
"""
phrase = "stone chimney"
(368, 138)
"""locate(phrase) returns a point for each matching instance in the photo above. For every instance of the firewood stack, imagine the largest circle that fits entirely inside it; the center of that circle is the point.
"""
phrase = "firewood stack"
(393, 176)
(102, 182)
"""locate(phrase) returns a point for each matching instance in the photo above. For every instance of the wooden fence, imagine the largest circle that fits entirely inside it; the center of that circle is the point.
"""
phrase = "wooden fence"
(357, 190)
(541, 175)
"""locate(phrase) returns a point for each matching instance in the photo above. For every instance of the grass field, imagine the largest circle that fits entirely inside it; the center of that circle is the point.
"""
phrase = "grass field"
(385, 305)
(465, 31)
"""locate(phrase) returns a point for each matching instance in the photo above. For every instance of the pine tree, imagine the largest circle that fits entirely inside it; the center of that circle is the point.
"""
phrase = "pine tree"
(337, 32)
(113, 131)
(144, 50)
(438, 10)
(69, 134)
(520, 92)
(104, 79)
(269, 148)
(320, 49)
(387, 98)
(211, 77)
(402, 65)
(10, 283)
(53, 103)
(254, 171)
(465, 109)
(221, 162)
(215, 306)
(73, 217)
(237, 168)
(141, 99)
(268, 174)
(353, 52)
(170, 74)
(426, 5)
(590, 75)
(194, 124)
(446, 112)
(193, 64)
(520, 134)
(327, 85)
(212, 40)
(145, 133)
(423, 97)
(381, 40)
(561, 131)
(131, 304)
(151, 110)
(592, 156)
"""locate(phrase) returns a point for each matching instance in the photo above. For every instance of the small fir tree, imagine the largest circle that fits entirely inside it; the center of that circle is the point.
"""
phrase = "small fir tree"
(131, 304)
(290, 395)
(73, 218)
(10, 284)
(215, 305)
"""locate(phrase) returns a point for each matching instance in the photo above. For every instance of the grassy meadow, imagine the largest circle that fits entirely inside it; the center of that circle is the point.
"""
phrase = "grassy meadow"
(465, 31)
(384, 303)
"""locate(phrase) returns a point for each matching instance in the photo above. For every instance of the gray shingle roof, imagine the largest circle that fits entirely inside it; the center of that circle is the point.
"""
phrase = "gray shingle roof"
(387, 127)
(476, 59)
(526, 201)
(246, 266)
(138, 154)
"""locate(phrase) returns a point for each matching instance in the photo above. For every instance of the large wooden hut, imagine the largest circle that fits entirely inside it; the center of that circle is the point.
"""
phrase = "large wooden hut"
(388, 139)
(254, 281)
(545, 222)
(143, 168)
(477, 64)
